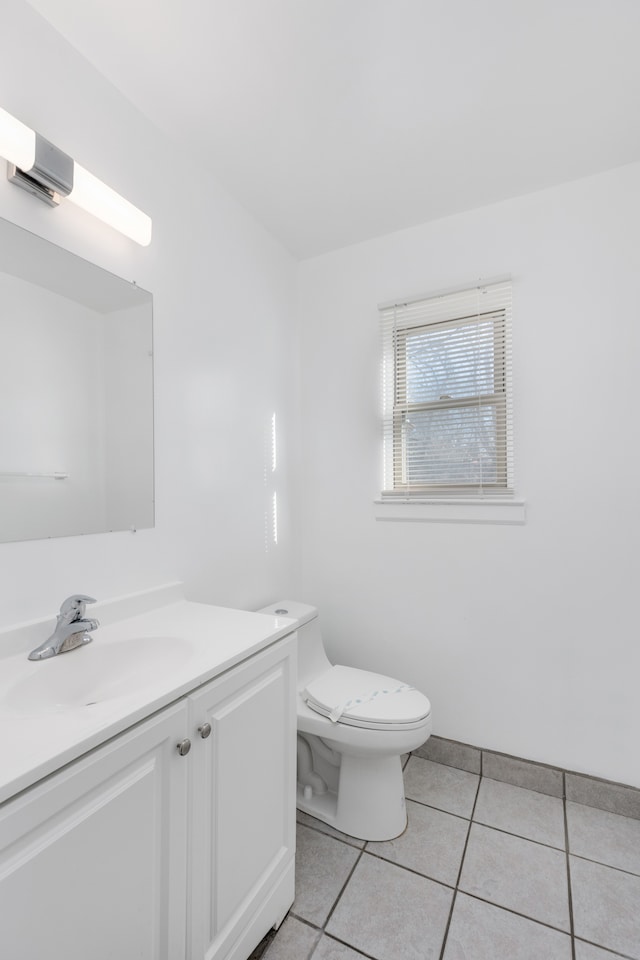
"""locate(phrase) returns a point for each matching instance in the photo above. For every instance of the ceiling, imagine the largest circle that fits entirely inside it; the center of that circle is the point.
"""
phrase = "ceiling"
(335, 121)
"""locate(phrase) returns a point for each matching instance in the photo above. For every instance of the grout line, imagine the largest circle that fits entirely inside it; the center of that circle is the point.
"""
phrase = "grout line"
(332, 836)
(350, 946)
(464, 853)
(306, 923)
(610, 950)
(272, 934)
(412, 870)
(490, 826)
(322, 933)
(568, 861)
(313, 948)
(518, 836)
(613, 787)
(470, 820)
(540, 843)
(342, 889)
(446, 929)
(423, 803)
(614, 813)
(609, 866)
(515, 913)
(466, 843)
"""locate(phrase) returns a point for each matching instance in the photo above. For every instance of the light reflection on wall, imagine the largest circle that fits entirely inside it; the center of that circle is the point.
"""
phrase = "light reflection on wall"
(274, 515)
(274, 445)
(270, 480)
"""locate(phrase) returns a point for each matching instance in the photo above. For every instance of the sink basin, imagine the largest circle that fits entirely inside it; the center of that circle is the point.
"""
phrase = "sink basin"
(95, 673)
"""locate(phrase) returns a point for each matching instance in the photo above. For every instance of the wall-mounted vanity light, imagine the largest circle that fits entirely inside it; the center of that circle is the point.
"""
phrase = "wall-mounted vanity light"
(46, 172)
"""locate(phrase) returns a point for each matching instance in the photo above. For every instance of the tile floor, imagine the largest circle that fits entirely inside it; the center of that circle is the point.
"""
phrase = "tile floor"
(484, 871)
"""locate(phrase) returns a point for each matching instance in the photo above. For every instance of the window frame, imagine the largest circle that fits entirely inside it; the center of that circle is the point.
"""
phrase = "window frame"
(436, 313)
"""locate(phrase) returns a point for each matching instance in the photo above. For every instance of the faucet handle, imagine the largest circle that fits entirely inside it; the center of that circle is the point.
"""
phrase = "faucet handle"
(73, 607)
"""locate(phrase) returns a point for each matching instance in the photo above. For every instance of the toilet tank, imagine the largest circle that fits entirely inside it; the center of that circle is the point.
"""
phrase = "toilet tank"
(292, 609)
(312, 659)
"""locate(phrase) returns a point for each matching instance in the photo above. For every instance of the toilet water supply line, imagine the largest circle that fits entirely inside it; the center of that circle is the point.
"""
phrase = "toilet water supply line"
(310, 781)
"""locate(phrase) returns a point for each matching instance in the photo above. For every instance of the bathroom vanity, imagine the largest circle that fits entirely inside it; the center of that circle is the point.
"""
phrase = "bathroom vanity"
(148, 791)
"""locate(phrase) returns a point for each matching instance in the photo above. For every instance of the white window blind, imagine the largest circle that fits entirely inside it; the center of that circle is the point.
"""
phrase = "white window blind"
(448, 424)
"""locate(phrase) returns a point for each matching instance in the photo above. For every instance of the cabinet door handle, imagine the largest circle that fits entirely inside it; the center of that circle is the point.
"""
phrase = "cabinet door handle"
(184, 746)
(204, 730)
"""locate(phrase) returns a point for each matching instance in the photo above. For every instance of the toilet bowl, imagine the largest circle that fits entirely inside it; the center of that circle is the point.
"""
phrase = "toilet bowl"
(353, 728)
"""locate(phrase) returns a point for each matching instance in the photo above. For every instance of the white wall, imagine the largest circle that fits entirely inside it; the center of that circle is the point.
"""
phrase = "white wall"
(525, 638)
(222, 312)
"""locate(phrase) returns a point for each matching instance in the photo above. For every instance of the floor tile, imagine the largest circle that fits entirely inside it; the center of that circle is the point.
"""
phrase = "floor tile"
(294, 941)
(323, 827)
(432, 844)
(390, 913)
(329, 949)
(605, 837)
(606, 906)
(512, 900)
(526, 813)
(440, 786)
(586, 951)
(518, 874)
(323, 865)
(485, 932)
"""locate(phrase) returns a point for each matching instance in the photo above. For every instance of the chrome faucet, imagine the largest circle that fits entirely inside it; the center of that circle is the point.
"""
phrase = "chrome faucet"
(72, 630)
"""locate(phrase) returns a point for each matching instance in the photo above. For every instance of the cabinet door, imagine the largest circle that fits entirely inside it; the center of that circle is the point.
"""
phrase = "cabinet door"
(93, 859)
(243, 813)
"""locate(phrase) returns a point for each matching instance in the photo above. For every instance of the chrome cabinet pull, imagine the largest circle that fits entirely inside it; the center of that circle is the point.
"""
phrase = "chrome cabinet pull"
(204, 730)
(184, 746)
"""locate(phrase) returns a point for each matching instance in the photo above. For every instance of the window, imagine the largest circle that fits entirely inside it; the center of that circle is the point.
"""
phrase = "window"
(447, 394)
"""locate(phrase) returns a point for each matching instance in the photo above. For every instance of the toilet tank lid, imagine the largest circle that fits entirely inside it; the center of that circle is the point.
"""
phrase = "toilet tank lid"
(292, 609)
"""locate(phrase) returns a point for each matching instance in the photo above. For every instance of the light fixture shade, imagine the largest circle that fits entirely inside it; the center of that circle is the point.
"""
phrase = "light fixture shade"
(17, 142)
(97, 198)
(42, 169)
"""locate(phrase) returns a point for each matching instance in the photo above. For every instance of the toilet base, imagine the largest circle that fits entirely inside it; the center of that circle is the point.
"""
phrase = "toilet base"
(369, 804)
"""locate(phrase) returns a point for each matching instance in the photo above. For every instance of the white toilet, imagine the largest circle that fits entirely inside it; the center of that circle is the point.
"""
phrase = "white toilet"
(353, 727)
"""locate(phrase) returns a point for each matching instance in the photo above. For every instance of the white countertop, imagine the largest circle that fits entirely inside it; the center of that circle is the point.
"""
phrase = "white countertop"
(196, 642)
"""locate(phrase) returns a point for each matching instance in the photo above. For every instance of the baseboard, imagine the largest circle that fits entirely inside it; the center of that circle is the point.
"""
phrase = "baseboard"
(556, 782)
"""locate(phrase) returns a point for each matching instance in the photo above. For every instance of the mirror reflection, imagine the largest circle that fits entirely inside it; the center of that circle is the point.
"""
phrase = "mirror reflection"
(76, 394)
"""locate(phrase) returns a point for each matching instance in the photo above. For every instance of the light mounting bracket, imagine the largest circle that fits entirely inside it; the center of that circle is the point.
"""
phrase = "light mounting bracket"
(51, 176)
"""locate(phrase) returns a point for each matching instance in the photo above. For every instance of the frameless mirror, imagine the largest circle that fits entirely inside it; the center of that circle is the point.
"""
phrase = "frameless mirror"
(76, 394)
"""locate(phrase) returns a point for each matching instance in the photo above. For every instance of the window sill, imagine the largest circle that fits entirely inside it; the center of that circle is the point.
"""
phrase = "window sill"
(452, 511)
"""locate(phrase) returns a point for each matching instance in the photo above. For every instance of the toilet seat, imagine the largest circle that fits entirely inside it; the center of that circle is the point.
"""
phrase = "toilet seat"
(360, 698)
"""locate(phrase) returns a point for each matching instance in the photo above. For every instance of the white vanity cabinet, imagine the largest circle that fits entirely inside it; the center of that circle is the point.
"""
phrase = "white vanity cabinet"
(93, 860)
(136, 850)
(243, 788)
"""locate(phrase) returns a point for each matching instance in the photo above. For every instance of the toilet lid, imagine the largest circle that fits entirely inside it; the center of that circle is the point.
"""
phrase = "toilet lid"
(365, 699)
